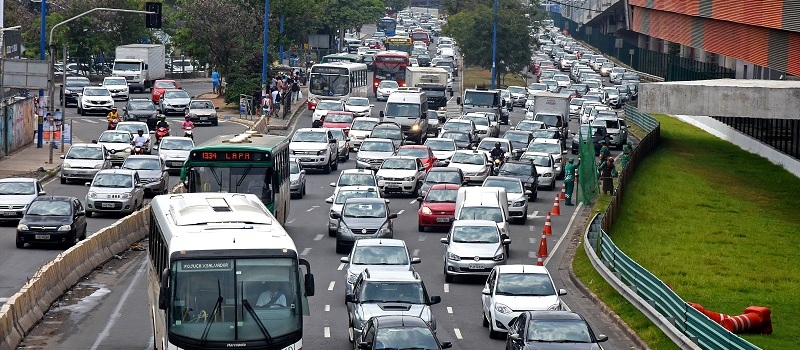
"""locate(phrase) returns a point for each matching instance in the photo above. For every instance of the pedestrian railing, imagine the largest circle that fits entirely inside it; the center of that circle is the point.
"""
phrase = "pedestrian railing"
(684, 325)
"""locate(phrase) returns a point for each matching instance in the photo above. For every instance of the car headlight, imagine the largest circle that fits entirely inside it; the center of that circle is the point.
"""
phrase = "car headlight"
(98, 166)
(502, 308)
(547, 175)
(499, 257)
(321, 152)
(343, 229)
(63, 228)
(351, 277)
(92, 194)
(22, 227)
(409, 178)
(415, 127)
(426, 210)
(65, 165)
(384, 230)
(128, 149)
(451, 256)
(295, 182)
(379, 178)
(482, 172)
(519, 203)
(125, 195)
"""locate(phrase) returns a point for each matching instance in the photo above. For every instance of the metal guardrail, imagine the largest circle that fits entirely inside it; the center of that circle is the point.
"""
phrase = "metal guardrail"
(687, 327)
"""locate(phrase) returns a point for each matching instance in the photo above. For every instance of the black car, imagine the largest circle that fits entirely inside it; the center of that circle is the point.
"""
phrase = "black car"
(424, 60)
(599, 133)
(519, 141)
(141, 109)
(441, 175)
(72, 86)
(525, 171)
(534, 330)
(52, 219)
(399, 332)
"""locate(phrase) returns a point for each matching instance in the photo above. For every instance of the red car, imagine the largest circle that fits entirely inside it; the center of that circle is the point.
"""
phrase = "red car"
(338, 120)
(438, 207)
(159, 86)
(423, 152)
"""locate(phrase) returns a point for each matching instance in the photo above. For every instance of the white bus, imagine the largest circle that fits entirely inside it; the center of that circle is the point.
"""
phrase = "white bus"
(224, 273)
(337, 80)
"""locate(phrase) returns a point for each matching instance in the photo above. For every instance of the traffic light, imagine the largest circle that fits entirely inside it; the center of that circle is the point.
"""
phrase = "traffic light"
(153, 20)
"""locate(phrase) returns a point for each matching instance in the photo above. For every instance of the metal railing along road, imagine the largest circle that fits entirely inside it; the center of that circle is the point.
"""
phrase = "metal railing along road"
(684, 325)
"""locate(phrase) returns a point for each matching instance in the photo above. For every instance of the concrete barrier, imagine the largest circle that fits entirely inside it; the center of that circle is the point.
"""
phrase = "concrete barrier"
(25, 308)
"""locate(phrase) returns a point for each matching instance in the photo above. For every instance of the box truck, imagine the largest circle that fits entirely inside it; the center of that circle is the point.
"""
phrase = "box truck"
(140, 64)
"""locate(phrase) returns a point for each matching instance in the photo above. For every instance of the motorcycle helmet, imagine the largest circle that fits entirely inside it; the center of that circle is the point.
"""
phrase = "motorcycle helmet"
(186, 117)
(114, 108)
(497, 145)
(140, 131)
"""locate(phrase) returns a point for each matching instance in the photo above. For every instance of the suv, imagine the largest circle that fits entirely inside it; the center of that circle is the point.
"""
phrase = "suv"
(381, 293)
(401, 174)
(362, 218)
(15, 196)
(70, 92)
(315, 148)
(83, 161)
(376, 254)
(394, 332)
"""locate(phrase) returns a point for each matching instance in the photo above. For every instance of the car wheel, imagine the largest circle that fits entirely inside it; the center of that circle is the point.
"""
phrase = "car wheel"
(303, 191)
(332, 233)
(335, 165)
(81, 111)
(63, 180)
(89, 214)
(74, 240)
(215, 122)
(327, 168)
(83, 236)
(20, 245)
(347, 156)
(494, 334)
(485, 321)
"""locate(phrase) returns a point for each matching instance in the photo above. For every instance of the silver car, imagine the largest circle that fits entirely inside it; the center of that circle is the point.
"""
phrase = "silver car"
(297, 178)
(152, 171)
(15, 196)
(83, 161)
(115, 191)
(373, 152)
(341, 195)
(174, 150)
(173, 101)
(203, 111)
(376, 254)
(516, 193)
(473, 247)
(343, 143)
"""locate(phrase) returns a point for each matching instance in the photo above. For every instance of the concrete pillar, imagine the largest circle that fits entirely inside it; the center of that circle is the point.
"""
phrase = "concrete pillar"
(642, 41)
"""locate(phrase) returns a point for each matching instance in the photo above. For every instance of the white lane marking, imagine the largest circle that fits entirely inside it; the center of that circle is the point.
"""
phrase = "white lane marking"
(330, 286)
(415, 252)
(341, 267)
(566, 230)
(328, 308)
(532, 240)
(305, 251)
(118, 310)
(532, 228)
(327, 332)
(535, 215)
(446, 288)
(151, 341)
(313, 207)
(90, 121)
(422, 238)
(400, 212)
(458, 333)
(412, 202)
(318, 237)
(290, 221)
(532, 255)
(449, 309)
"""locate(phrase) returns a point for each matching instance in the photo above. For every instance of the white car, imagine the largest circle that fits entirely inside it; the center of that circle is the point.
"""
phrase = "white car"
(15, 196)
(117, 143)
(401, 174)
(484, 124)
(562, 80)
(373, 151)
(545, 167)
(443, 149)
(340, 195)
(315, 148)
(325, 106)
(95, 99)
(117, 86)
(360, 130)
(475, 165)
(386, 88)
(473, 247)
(512, 289)
(360, 106)
(552, 147)
(174, 150)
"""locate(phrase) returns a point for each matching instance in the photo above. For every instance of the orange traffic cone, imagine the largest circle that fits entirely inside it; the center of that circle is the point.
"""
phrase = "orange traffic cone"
(749, 322)
(556, 208)
(766, 318)
(714, 316)
(539, 261)
(542, 247)
(548, 225)
(563, 192)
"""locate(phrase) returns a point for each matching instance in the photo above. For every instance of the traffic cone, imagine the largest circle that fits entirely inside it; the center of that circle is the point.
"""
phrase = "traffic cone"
(714, 316)
(539, 261)
(766, 318)
(556, 208)
(542, 247)
(748, 322)
(563, 192)
(548, 225)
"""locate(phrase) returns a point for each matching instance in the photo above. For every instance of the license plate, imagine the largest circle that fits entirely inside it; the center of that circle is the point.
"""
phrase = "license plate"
(393, 185)
(203, 118)
(476, 266)
(42, 236)
(107, 205)
(306, 160)
(8, 213)
(442, 219)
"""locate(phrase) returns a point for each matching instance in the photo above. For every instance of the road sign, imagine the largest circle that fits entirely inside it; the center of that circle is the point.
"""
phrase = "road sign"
(25, 74)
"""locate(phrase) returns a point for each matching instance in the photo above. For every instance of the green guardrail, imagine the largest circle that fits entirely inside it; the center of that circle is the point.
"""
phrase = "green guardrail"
(644, 121)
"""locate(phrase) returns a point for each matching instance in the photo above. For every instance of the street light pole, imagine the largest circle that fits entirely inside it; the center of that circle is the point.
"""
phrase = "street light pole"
(494, 46)
(42, 48)
(265, 59)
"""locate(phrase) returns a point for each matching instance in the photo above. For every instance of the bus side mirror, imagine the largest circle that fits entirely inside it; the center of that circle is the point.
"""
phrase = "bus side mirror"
(308, 277)
(163, 291)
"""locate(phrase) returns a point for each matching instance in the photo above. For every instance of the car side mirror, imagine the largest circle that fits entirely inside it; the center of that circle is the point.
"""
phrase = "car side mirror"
(486, 291)
(138, 186)
(94, 141)
(528, 192)
(447, 345)
(329, 200)
(444, 240)
(451, 93)
(333, 184)
(601, 338)
(514, 336)
(345, 260)
(88, 184)
(350, 298)
(81, 213)
(420, 198)
(562, 291)
(336, 215)
(435, 300)
(393, 216)
(414, 261)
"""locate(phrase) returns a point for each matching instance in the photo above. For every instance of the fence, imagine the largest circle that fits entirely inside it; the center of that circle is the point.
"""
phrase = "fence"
(671, 67)
(687, 327)
(781, 134)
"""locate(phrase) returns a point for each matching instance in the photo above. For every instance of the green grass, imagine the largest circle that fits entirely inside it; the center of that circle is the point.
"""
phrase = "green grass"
(474, 76)
(719, 225)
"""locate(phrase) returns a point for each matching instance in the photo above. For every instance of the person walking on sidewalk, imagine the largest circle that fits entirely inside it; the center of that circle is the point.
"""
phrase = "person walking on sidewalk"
(215, 81)
(276, 102)
(607, 172)
(569, 181)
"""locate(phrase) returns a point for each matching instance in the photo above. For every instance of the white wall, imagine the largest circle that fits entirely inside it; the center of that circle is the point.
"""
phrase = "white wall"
(747, 143)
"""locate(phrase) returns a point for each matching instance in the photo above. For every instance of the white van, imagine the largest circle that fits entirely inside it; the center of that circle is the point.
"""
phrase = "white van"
(409, 109)
(483, 203)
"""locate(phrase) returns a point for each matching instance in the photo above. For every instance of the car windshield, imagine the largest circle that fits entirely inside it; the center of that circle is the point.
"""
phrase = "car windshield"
(96, 92)
(89, 153)
(338, 134)
(338, 118)
(558, 331)
(399, 163)
(388, 84)
(364, 210)
(115, 137)
(165, 85)
(384, 133)
(481, 213)
(559, 77)
(344, 195)
(477, 119)
(469, 158)
(510, 186)
(441, 145)
(549, 119)
(456, 136)
(577, 101)
(401, 292)
(135, 163)
(475, 234)
(294, 167)
(413, 152)
(524, 284)
(366, 179)
(488, 145)
(360, 102)
(443, 177)
(546, 134)
(133, 128)
(528, 126)
(541, 147)
(365, 125)
(380, 255)
(518, 137)
(201, 105)
(49, 208)
(481, 98)
(113, 180)
(17, 188)
(176, 94)
(608, 123)
(441, 196)
(518, 169)
(310, 136)
(176, 144)
(409, 110)
(612, 91)
(377, 146)
(459, 126)
(114, 81)
(141, 106)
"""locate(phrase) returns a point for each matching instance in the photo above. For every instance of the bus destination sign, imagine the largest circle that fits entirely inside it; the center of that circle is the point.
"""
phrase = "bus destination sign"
(391, 59)
(329, 70)
(228, 156)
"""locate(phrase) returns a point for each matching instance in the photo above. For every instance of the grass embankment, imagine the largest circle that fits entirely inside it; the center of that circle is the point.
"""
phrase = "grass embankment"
(474, 76)
(718, 224)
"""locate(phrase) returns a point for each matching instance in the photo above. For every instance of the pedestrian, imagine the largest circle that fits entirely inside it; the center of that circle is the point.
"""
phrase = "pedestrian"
(296, 89)
(266, 105)
(607, 172)
(627, 149)
(276, 102)
(603, 152)
(569, 180)
(215, 81)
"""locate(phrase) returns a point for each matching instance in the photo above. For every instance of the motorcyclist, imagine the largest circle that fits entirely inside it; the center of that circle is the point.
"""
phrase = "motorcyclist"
(113, 118)
(187, 125)
(162, 122)
(140, 140)
(497, 152)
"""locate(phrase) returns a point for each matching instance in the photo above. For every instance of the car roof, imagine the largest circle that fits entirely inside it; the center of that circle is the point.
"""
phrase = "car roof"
(555, 315)
(474, 223)
(169, 90)
(392, 276)
(175, 138)
(209, 101)
(143, 156)
(381, 241)
(368, 118)
(377, 139)
(440, 138)
(521, 268)
(55, 198)
(387, 125)
(401, 157)
(19, 179)
(311, 130)
(139, 100)
(495, 139)
(414, 146)
(366, 200)
(116, 132)
(394, 321)
(340, 112)
(444, 187)
(117, 171)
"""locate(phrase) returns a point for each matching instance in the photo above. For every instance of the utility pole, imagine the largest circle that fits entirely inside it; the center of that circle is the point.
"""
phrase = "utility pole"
(494, 47)
(265, 59)
(42, 48)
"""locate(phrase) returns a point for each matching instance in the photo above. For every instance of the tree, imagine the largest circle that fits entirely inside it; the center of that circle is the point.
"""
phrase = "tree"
(396, 5)
(472, 29)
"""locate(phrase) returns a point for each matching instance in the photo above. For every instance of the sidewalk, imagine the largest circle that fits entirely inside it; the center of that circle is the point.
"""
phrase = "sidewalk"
(230, 111)
(31, 162)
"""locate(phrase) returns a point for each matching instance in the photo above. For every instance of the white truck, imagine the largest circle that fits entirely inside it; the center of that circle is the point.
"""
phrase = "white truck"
(434, 75)
(140, 64)
(552, 109)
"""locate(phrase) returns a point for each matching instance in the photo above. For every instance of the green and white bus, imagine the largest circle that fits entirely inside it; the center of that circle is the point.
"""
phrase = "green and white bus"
(340, 57)
(245, 163)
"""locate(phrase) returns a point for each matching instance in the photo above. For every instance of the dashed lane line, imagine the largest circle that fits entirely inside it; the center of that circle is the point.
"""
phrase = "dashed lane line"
(458, 333)
(412, 202)
(328, 308)
(305, 251)
(415, 252)
(327, 332)
(318, 237)
(446, 288)
(312, 208)
(333, 284)
(400, 212)
(449, 309)
(341, 267)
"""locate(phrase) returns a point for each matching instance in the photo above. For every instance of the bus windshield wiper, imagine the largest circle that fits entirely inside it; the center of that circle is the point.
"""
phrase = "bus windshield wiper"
(241, 179)
(255, 317)
(217, 306)
(216, 177)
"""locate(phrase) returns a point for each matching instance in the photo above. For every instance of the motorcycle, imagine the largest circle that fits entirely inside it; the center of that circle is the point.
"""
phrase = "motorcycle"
(137, 150)
(498, 162)
(112, 124)
(187, 132)
(161, 132)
